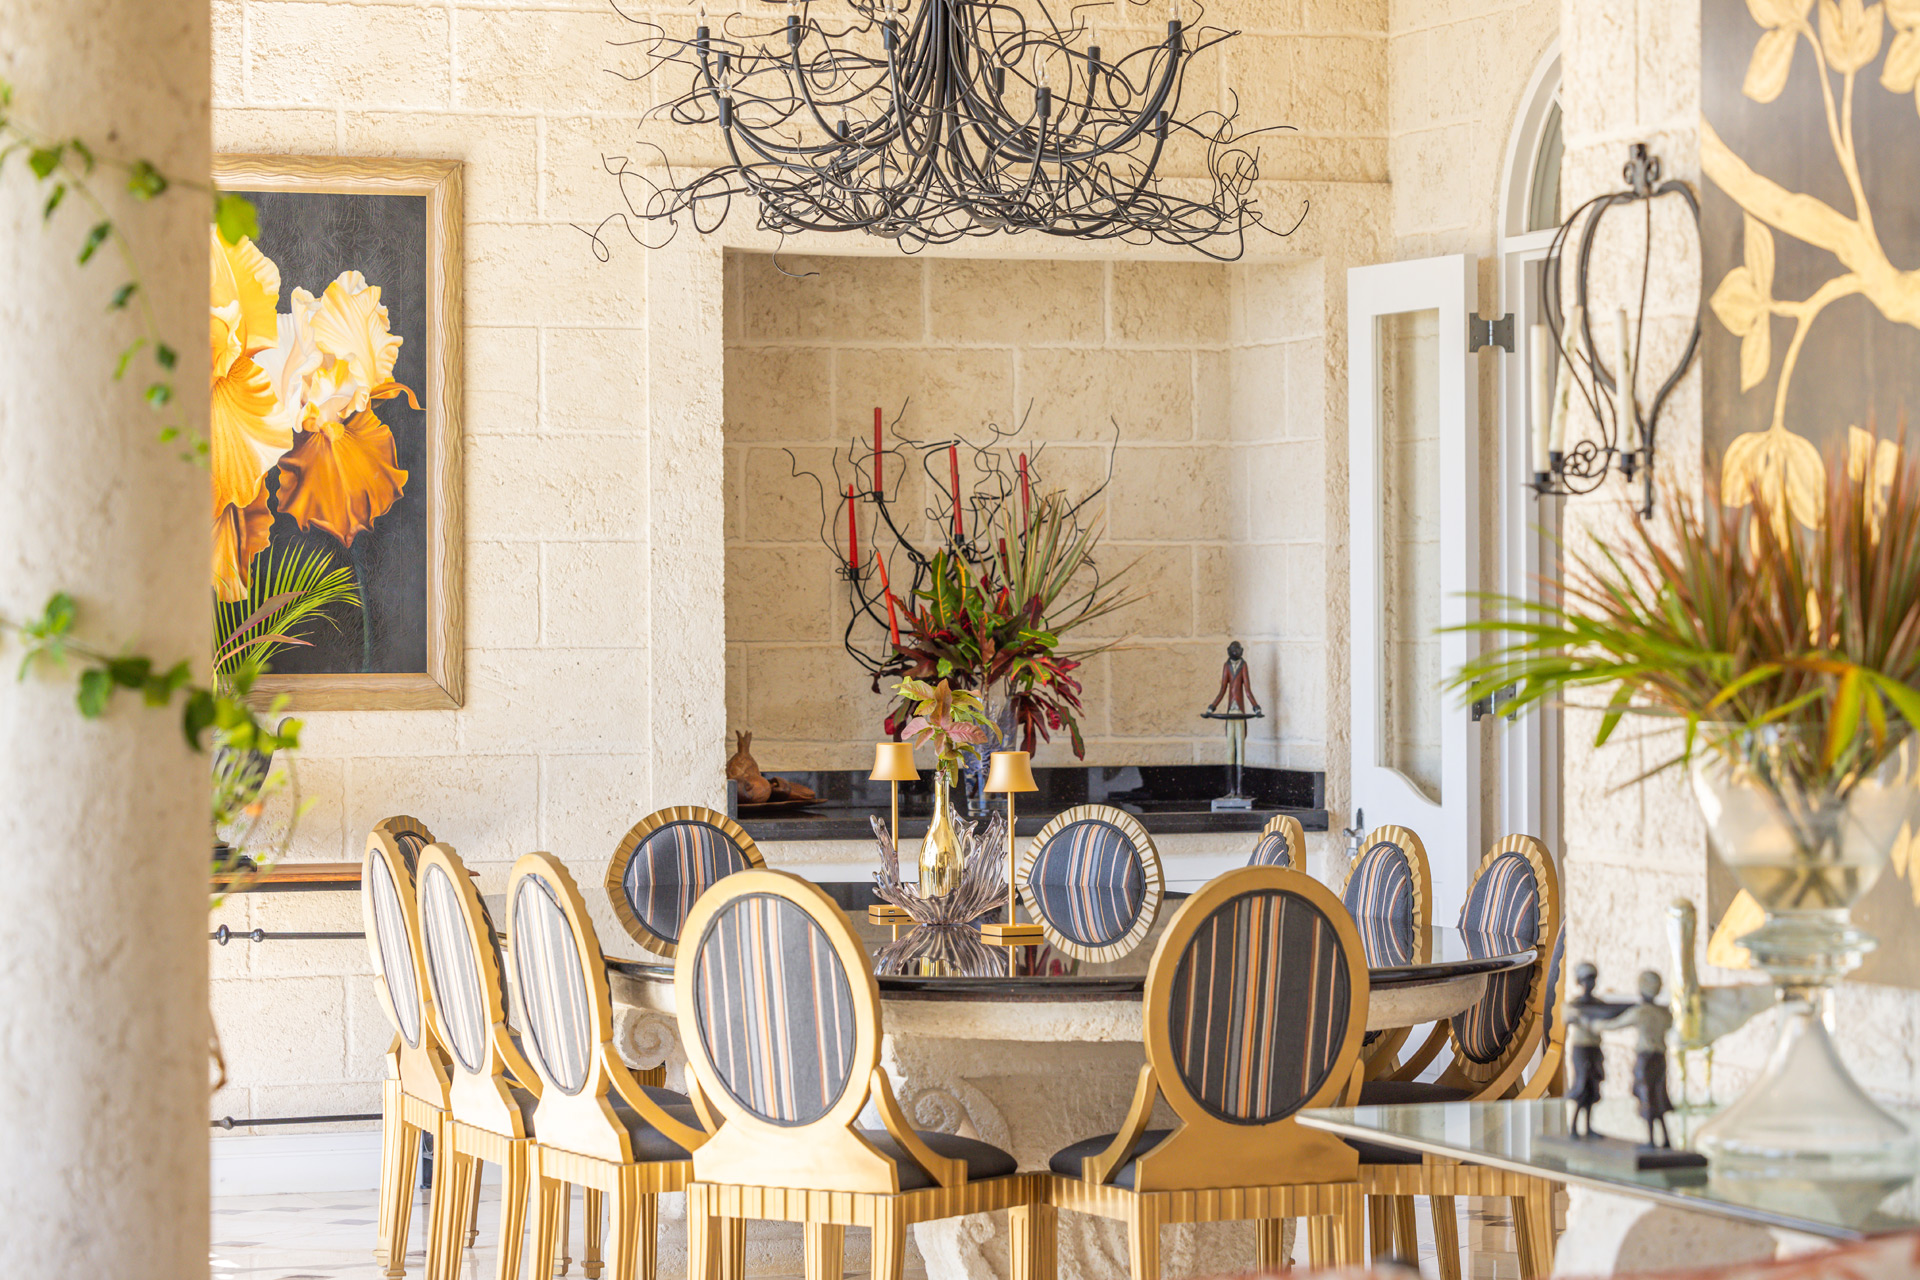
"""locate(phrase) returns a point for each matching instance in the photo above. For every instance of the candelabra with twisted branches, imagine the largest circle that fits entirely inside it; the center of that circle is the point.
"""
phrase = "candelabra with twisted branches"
(956, 118)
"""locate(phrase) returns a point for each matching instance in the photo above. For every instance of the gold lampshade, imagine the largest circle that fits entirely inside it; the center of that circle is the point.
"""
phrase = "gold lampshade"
(1011, 771)
(893, 762)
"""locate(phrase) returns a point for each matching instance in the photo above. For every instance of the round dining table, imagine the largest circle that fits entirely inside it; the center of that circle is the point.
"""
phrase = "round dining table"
(1042, 1056)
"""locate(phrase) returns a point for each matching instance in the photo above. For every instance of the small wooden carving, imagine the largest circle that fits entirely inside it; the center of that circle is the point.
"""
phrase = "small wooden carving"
(756, 787)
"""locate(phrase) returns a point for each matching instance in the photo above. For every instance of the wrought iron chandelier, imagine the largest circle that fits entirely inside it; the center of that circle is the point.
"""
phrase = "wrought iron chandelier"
(956, 118)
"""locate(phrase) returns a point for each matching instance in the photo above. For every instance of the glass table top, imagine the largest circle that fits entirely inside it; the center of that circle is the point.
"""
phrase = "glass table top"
(1509, 1135)
(953, 964)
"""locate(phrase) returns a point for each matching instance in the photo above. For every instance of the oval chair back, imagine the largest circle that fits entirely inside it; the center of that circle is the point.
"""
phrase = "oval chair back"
(780, 1016)
(1547, 1080)
(409, 834)
(1255, 1005)
(665, 863)
(590, 1104)
(390, 912)
(1092, 881)
(1282, 843)
(493, 1087)
(1389, 891)
(1513, 902)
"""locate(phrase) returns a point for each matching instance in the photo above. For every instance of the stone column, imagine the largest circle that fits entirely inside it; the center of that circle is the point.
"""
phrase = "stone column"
(103, 824)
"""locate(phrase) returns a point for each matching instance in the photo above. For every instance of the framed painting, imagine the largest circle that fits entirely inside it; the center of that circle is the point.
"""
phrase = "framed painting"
(336, 428)
(1810, 221)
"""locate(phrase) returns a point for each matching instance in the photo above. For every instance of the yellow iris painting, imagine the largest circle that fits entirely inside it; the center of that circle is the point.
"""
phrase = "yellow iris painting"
(1811, 267)
(335, 433)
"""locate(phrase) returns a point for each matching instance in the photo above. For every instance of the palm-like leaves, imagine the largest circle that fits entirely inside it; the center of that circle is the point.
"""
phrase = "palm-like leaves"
(1733, 618)
(288, 588)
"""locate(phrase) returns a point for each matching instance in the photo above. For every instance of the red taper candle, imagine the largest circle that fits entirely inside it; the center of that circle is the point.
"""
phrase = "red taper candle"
(853, 531)
(953, 466)
(1025, 497)
(893, 622)
(879, 486)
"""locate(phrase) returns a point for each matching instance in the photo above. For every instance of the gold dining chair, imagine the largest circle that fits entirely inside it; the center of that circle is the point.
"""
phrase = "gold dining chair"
(780, 1015)
(1388, 890)
(1255, 1003)
(494, 1089)
(595, 1126)
(663, 865)
(1281, 843)
(1513, 902)
(1091, 879)
(413, 1095)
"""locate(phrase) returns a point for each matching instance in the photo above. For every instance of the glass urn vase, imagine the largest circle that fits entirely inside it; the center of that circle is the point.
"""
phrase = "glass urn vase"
(1806, 837)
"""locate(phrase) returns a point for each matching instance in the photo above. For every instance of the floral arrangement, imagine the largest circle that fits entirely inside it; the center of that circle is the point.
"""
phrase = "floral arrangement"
(1002, 625)
(294, 392)
(953, 720)
(1730, 618)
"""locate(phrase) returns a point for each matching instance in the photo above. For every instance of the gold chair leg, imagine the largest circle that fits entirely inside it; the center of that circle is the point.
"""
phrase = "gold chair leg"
(1534, 1209)
(1034, 1233)
(1320, 1238)
(1446, 1236)
(1270, 1245)
(406, 1167)
(703, 1231)
(1346, 1229)
(548, 1219)
(623, 1225)
(733, 1249)
(825, 1254)
(472, 1217)
(1523, 1245)
(390, 1126)
(593, 1211)
(1406, 1231)
(1143, 1240)
(441, 1236)
(1379, 1228)
(889, 1241)
(565, 1264)
(516, 1181)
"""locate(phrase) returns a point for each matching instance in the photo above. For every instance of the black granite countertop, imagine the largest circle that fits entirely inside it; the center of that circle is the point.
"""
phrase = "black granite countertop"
(1168, 800)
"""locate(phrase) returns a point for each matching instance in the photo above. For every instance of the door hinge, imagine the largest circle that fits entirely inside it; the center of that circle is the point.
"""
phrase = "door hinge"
(1482, 332)
(1491, 704)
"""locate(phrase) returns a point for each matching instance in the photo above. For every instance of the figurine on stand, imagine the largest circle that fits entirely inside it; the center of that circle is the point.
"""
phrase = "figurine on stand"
(1586, 1064)
(1650, 1020)
(1236, 690)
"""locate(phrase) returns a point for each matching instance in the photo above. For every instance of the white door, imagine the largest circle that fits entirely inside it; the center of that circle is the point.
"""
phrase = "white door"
(1414, 471)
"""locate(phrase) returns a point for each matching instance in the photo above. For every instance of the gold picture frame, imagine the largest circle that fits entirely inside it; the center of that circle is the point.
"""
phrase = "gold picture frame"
(441, 684)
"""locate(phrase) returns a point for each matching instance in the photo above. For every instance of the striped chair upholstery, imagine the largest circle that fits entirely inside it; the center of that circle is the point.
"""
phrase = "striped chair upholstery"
(555, 1008)
(671, 868)
(1271, 851)
(396, 952)
(1259, 1007)
(774, 1010)
(1089, 882)
(1379, 894)
(452, 973)
(411, 843)
(1502, 914)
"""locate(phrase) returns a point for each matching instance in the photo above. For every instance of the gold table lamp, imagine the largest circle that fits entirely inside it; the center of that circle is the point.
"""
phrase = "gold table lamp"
(1010, 772)
(892, 762)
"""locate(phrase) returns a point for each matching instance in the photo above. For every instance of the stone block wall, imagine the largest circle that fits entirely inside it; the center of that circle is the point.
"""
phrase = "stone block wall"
(1141, 376)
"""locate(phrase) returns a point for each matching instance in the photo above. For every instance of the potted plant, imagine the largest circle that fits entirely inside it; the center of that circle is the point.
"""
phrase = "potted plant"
(1788, 656)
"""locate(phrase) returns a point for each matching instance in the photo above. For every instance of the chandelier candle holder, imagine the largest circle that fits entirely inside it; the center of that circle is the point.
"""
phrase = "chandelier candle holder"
(927, 123)
(1608, 383)
(1012, 772)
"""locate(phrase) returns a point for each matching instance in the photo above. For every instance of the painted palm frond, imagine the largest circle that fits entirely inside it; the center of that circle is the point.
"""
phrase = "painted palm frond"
(289, 589)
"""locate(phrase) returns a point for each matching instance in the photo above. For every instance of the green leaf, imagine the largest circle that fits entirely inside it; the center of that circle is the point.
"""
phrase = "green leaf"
(236, 217)
(96, 237)
(145, 181)
(126, 358)
(44, 160)
(158, 395)
(123, 295)
(56, 619)
(130, 673)
(96, 687)
(58, 194)
(197, 716)
(169, 434)
(84, 152)
(165, 356)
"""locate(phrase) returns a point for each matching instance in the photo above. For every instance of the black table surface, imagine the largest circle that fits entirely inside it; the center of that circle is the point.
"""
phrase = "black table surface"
(963, 968)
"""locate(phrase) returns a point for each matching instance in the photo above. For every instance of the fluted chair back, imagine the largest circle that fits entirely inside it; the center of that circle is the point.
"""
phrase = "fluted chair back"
(780, 1016)
(1282, 843)
(1513, 902)
(1388, 890)
(665, 863)
(391, 914)
(590, 1104)
(1255, 1005)
(1092, 880)
(493, 1085)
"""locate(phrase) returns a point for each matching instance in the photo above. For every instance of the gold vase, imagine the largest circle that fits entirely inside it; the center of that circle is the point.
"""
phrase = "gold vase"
(941, 850)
